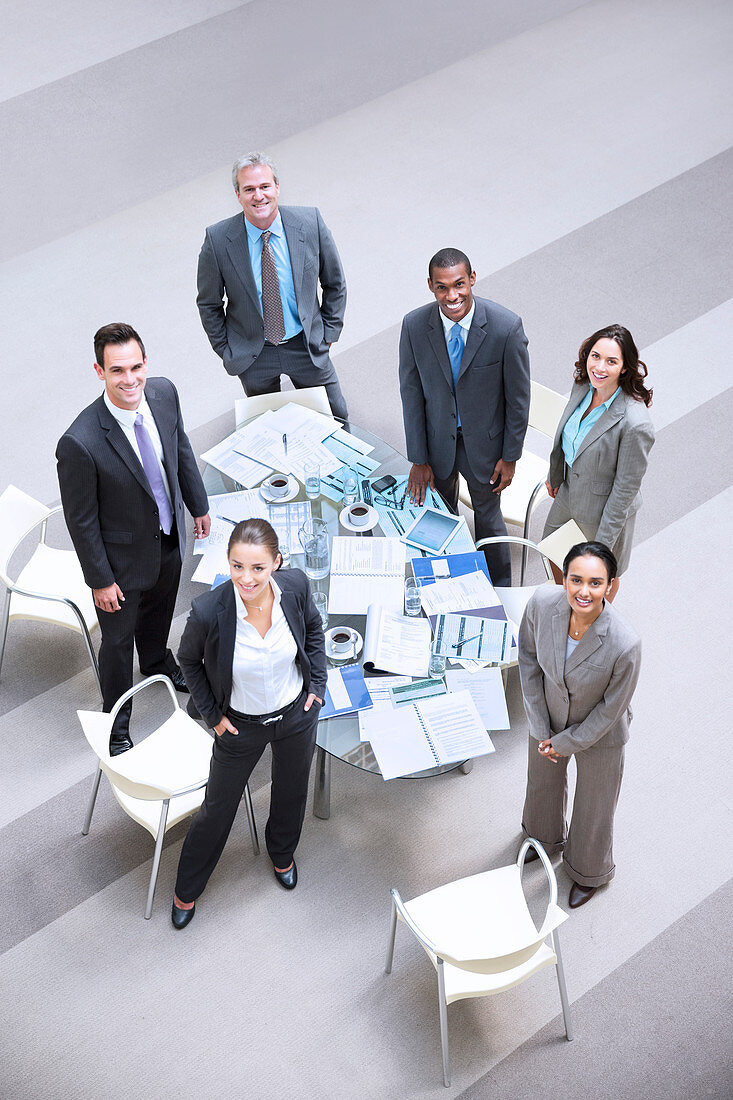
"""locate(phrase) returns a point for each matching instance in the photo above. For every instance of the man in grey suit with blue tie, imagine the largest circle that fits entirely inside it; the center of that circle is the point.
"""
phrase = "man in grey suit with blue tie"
(269, 264)
(464, 382)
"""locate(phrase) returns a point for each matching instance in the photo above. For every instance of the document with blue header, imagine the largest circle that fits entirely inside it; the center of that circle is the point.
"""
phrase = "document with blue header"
(346, 692)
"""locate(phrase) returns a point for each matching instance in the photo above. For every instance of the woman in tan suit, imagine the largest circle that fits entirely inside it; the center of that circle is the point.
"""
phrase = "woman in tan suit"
(602, 445)
(579, 664)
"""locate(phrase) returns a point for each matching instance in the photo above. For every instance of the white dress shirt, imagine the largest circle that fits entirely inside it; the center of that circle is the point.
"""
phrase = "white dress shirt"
(126, 420)
(265, 676)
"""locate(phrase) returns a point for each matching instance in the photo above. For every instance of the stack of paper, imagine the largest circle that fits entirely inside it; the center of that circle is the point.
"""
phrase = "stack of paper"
(227, 457)
(288, 443)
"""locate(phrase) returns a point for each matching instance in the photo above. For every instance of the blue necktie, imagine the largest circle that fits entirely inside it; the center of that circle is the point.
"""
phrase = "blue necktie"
(455, 351)
(151, 466)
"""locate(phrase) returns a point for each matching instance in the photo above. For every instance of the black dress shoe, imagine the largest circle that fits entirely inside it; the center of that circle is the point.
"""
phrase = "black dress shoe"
(579, 895)
(182, 917)
(289, 878)
(178, 680)
(119, 744)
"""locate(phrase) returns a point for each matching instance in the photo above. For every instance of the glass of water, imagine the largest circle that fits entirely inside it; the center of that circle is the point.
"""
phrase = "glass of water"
(436, 669)
(351, 487)
(312, 474)
(320, 599)
(413, 603)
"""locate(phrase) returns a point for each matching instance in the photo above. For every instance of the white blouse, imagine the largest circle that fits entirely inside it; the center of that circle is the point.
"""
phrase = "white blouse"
(265, 676)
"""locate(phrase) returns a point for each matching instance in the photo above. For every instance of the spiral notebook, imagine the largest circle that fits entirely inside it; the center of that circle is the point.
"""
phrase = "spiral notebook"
(426, 734)
(363, 571)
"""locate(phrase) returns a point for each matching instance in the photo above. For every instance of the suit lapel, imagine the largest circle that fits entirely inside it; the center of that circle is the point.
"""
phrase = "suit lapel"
(295, 237)
(118, 440)
(577, 394)
(476, 336)
(608, 418)
(560, 623)
(238, 252)
(589, 643)
(436, 336)
(289, 609)
(227, 620)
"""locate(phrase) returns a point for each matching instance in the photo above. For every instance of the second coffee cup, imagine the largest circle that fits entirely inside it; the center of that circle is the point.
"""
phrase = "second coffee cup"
(277, 485)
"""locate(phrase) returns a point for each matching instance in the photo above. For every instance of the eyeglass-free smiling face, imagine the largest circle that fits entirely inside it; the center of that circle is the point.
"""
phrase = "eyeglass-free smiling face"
(586, 586)
(452, 289)
(258, 194)
(123, 372)
(250, 567)
(605, 366)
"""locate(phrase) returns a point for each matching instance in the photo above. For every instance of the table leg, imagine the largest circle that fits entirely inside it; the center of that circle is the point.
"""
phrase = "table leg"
(467, 766)
(322, 789)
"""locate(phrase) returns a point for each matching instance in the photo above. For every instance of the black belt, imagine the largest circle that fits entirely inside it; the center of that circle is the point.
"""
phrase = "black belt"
(267, 719)
(283, 343)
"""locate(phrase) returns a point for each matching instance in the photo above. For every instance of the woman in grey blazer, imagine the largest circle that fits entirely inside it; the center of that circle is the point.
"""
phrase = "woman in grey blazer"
(254, 658)
(579, 665)
(602, 445)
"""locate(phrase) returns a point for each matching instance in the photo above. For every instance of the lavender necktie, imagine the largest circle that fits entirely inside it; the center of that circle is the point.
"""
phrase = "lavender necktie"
(151, 466)
(272, 306)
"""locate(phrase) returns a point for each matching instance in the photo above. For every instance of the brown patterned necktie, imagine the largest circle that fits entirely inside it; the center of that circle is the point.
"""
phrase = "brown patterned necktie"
(272, 306)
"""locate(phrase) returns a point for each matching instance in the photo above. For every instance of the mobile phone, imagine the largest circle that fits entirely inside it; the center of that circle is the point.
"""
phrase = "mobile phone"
(382, 484)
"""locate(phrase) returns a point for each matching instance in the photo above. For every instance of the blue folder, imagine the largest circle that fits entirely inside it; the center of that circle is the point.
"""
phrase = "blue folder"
(359, 697)
(458, 566)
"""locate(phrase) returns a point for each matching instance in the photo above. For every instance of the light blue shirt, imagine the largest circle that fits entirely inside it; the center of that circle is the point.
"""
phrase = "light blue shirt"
(577, 429)
(279, 246)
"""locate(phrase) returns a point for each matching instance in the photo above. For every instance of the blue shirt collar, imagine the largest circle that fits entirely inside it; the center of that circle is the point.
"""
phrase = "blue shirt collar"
(276, 229)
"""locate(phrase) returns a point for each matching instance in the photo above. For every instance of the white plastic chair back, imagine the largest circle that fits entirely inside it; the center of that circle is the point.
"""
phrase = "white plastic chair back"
(313, 397)
(545, 409)
(19, 514)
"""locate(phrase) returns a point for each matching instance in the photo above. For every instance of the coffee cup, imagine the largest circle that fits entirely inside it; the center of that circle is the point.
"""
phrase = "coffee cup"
(342, 641)
(358, 515)
(277, 485)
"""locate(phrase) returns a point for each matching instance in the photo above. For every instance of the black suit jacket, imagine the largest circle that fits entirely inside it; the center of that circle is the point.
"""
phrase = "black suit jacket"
(108, 504)
(492, 394)
(207, 646)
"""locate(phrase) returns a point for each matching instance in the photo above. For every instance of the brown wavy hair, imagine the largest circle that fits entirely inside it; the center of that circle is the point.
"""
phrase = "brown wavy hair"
(634, 371)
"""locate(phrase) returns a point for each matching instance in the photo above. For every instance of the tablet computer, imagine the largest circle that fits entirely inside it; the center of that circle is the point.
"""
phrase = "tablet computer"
(432, 530)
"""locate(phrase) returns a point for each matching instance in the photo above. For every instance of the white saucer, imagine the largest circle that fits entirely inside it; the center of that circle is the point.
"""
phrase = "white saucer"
(293, 490)
(371, 523)
(350, 653)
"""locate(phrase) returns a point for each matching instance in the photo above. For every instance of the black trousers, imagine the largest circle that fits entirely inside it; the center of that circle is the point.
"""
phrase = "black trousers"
(144, 620)
(293, 741)
(293, 360)
(488, 520)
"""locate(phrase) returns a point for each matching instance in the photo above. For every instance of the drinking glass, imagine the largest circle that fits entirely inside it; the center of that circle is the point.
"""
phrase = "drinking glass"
(285, 554)
(436, 669)
(313, 537)
(351, 487)
(320, 599)
(312, 477)
(413, 604)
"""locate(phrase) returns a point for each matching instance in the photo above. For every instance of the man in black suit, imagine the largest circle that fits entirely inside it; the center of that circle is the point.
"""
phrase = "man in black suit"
(280, 273)
(126, 469)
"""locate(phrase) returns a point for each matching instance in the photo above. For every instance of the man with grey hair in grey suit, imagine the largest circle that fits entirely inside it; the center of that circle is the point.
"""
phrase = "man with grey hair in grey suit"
(464, 382)
(259, 275)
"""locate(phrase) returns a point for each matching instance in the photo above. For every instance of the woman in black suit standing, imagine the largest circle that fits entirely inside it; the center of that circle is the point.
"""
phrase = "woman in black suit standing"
(254, 658)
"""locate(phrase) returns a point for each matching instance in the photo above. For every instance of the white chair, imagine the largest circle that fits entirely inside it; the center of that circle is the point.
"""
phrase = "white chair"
(313, 397)
(514, 600)
(161, 780)
(519, 499)
(480, 937)
(50, 587)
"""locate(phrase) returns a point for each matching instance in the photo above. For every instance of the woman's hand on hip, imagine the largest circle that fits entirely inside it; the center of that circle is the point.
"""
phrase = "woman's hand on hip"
(545, 749)
(311, 700)
(225, 726)
(550, 491)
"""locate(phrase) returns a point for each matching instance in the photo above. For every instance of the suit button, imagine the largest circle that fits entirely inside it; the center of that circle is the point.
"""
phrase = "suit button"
(453, 437)
(157, 536)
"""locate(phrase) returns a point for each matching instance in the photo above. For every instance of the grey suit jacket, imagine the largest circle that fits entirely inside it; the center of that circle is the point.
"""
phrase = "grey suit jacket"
(603, 482)
(207, 646)
(237, 333)
(578, 703)
(492, 394)
(109, 508)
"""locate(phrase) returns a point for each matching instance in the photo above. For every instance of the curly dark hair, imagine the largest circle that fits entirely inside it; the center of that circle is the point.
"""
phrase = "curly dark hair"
(634, 371)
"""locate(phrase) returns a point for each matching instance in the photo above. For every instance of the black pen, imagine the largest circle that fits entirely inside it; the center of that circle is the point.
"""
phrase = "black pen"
(285, 442)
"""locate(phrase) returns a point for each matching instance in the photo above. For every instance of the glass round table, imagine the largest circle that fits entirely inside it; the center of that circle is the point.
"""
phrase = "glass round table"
(338, 737)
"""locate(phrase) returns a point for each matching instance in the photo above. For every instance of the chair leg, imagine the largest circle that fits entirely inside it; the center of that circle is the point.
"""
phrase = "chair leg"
(392, 934)
(443, 1010)
(4, 627)
(247, 796)
(92, 800)
(156, 857)
(563, 990)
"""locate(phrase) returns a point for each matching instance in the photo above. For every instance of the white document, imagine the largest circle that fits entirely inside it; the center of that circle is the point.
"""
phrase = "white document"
(285, 451)
(427, 734)
(366, 571)
(396, 643)
(467, 637)
(378, 688)
(297, 420)
(226, 457)
(486, 688)
(464, 593)
(226, 510)
(211, 564)
(337, 689)
(287, 519)
(352, 443)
